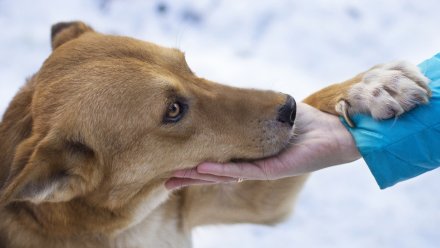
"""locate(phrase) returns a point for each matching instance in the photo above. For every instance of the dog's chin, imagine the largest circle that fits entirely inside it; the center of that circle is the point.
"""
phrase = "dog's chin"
(272, 150)
(281, 145)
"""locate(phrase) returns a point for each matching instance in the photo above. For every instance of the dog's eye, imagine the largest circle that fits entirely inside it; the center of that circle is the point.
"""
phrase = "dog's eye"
(174, 112)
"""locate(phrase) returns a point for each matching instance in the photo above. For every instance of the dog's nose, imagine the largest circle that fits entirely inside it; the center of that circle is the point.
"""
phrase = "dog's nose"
(287, 113)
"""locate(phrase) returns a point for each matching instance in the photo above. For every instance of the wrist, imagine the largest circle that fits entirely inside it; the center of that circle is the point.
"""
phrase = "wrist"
(346, 144)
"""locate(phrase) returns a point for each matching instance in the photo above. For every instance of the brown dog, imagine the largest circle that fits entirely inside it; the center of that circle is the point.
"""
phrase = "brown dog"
(88, 142)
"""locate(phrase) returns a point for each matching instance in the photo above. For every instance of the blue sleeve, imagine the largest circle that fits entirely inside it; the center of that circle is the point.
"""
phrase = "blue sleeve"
(399, 149)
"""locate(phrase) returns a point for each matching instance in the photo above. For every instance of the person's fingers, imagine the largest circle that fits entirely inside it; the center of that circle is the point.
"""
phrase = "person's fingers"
(175, 183)
(236, 170)
(194, 174)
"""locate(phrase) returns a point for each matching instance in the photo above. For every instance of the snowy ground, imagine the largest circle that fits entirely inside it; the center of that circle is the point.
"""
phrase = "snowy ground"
(290, 46)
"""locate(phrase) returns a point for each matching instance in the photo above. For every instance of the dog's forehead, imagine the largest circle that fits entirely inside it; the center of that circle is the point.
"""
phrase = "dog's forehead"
(98, 49)
(107, 56)
(102, 46)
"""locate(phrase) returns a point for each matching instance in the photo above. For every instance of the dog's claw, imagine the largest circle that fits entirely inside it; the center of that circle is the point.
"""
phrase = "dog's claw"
(342, 108)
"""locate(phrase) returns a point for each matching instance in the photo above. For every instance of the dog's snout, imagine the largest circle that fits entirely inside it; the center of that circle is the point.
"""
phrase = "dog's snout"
(287, 112)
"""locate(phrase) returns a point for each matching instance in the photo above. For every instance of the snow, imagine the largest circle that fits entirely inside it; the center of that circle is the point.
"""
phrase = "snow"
(290, 46)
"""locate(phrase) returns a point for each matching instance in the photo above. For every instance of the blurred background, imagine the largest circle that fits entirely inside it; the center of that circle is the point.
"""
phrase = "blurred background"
(285, 45)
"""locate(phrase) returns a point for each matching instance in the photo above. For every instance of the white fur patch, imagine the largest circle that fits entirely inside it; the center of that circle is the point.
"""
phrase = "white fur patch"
(387, 91)
(151, 227)
(154, 199)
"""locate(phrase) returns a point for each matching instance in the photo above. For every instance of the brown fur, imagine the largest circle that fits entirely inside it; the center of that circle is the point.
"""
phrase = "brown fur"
(84, 153)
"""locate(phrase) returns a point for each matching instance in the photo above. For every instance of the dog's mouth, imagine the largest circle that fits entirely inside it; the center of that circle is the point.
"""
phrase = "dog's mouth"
(286, 144)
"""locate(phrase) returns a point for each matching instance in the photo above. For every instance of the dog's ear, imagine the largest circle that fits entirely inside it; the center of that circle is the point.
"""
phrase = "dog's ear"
(51, 171)
(63, 32)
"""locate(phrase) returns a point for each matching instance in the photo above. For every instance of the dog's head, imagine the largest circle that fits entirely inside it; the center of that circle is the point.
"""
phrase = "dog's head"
(113, 117)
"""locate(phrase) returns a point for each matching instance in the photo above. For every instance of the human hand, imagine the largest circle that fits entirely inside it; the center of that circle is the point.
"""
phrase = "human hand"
(322, 141)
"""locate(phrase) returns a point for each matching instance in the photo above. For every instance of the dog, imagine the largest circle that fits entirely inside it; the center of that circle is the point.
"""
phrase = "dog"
(87, 144)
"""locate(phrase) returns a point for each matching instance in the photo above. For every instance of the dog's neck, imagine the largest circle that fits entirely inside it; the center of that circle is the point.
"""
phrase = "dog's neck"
(24, 223)
(64, 219)
(67, 221)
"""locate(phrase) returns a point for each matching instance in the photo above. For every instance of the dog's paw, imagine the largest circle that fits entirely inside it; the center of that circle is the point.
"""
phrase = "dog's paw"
(386, 91)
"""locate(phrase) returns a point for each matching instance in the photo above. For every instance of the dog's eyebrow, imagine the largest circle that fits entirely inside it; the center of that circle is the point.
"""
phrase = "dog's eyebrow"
(181, 60)
(171, 85)
(179, 53)
(173, 94)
